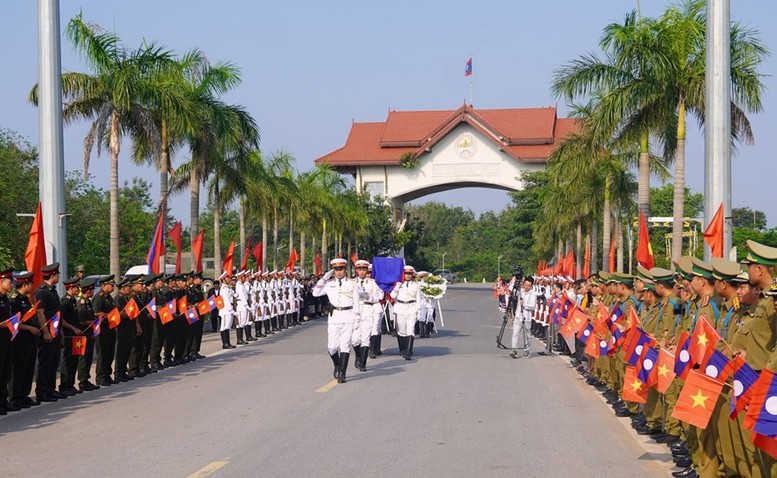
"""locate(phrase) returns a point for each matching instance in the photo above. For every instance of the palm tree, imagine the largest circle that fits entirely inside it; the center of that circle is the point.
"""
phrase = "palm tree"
(279, 165)
(116, 98)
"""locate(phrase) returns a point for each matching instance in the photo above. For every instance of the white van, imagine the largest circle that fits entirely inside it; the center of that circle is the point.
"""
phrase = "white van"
(143, 270)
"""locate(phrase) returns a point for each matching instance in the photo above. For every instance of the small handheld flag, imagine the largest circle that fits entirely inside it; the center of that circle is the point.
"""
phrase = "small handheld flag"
(131, 309)
(191, 316)
(165, 314)
(54, 326)
(203, 306)
(13, 325)
(219, 302)
(697, 399)
(151, 308)
(96, 327)
(183, 305)
(114, 318)
(31, 313)
(79, 346)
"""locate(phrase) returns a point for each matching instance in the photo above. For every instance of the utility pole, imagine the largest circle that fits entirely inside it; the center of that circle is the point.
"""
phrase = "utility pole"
(52, 157)
(717, 125)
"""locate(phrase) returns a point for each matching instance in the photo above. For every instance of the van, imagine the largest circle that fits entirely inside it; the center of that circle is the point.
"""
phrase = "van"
(141, 270)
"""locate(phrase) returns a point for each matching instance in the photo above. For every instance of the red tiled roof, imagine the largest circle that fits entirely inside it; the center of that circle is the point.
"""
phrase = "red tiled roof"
(526, 134)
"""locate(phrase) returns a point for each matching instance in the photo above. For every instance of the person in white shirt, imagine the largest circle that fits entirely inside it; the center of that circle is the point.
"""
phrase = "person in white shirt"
(407, 308)
(523, 317)
(369, 295)
(242, 308)
(342, 292)
(226, 313)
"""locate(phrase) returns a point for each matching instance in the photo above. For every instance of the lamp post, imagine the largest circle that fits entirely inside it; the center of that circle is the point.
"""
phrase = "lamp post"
(499, 266)
(443, 260)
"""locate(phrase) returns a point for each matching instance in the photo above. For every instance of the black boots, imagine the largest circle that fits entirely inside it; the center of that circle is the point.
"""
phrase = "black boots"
(429, 328)
(403, 347)
(267, 330)
(335, 360)
(225, 340)
(373, 346)
(343, 367)
(274, 323)
(249, 337)
(422, 329)
(258, 328)
(363, 358)
(239, 332)
(411, 340)
(378, 341)
(357, 356)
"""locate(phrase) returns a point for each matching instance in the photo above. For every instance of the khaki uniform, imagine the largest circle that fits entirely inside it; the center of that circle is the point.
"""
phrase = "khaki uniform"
(650, 318)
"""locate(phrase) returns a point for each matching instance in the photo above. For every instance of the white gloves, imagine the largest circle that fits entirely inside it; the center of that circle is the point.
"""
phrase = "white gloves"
(328, 275)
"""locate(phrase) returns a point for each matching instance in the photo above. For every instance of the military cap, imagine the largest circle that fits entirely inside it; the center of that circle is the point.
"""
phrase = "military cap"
(125, 282)
(626, 279)
(684, 267)
(72, 282)
(24, 277)
(108, 280)
(662, 275)
(50, 269)
(87, 283)
(196, 275)
(181, 277)
(650, 286)
(422, 273)
(139, 279)
(149, 279)
(643, 274)
(337, 262)
(6, 273)
(742, 278)
(362, 263)
(409, 269)
(594, 282)
(79, 268)
(724, 270)
(167, 277)
(223, 276)
(760, 254)
(771, 291)
(700, 268)
(604, 276)
(159, 276)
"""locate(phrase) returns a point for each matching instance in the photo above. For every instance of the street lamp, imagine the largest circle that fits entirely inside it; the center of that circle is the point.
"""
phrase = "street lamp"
(443, 260)
(499, 266)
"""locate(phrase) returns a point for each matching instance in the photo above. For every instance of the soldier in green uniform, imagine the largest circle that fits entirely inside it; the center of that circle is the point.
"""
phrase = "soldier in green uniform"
(71, 328)
(125, 331)
(86, 318)
(23, 349)
(650, 316)
(103, 304)
(626, 300)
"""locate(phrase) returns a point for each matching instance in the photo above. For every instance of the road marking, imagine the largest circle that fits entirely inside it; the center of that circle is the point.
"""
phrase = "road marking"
(208, 469)
(329, 386)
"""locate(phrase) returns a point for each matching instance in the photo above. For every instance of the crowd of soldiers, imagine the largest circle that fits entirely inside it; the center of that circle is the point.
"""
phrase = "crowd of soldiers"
(737, 299)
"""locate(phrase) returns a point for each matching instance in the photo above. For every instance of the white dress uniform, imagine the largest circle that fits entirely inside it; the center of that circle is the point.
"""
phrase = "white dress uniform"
(341, 293)
(227, 313)
(241, 293)
(407, 307)
(369, 294)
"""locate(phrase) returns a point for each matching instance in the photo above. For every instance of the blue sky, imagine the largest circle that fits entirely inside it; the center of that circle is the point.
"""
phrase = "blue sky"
(310, 68)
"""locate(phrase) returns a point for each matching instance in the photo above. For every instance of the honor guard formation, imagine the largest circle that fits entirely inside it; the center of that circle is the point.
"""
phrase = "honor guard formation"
(143, 324)
(688, 356)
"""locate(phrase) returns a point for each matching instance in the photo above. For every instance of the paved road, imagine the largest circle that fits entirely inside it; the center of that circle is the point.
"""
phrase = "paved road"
(461, 408)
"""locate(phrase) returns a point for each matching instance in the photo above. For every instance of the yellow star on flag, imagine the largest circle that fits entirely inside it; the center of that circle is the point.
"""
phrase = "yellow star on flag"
(577, 320)
(636, 386)
(703, 339)
(699, 399)
(78, 343)
(663, 371)
(131, 308)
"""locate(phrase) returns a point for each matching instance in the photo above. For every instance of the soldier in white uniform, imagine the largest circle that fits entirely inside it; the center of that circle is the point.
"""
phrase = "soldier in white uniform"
(426, 315)
(407, 295)
(369, 295)
(226, 313)
(341, 292)
(377, 323)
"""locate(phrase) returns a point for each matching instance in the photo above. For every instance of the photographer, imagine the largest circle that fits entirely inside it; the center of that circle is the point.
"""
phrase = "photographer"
(523, 317)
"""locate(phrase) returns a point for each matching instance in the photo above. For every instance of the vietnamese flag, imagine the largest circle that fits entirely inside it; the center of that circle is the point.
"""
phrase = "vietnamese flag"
(761, 414)
(258, 255)
(592, 347)
(229, 261)
(31, 313)
(203, 306)
(713, 235)
(632, 320)
(35, 254)
(151, 308)
(703, 340)
(317, 262)
(644, 251)
(131, 309)
(183, 305)
(744, 379)
(697, 399)
(664, 370)
(219, 302)
(78, 347)
(165, 314)
(114, 318)
(197, 245)
(191, 316)
(246, 252)
(683, 363)
(633, 389)
(602, 314)
(293, 257)
(175, 235)
(54, 325)
(576, 322)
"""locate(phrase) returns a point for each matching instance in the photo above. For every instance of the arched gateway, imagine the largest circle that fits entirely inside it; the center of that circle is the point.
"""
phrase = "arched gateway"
(416, 153)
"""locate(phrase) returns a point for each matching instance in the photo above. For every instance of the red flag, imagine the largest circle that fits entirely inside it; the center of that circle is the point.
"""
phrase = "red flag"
(587, 260)
(35, 255)
(644, 251)
(576, 321)
(165, 314)
(175, 235)
(183, 305)
(229, 262)
(219, 302)
(131, 309)
(114, 318)
(78, 347)
(203, 306)
(244, 262)
(258, 255)
(633, 389)
(765, 443)
(611, 261)
(697, 399)
(713, 235)
(157, 248)
(293, 257)
(317, 262)
(632, 320)
(703, 340)
(31, 313)
(354, 257)
(197, 244)
(592, 346)
(569, 265)
(664, 370)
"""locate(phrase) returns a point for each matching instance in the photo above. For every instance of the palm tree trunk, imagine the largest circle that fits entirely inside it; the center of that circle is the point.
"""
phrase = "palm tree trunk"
(340, 243)
(578, 249)
(324, 251)
(606, 226)
(265, 226)
(312, 254)
(114, 196)
(678, 198)
(594, 246)
(302, 239)
(217, 228)
(619, 232)
(275, 238)
(194, 203)
(643, 186)
(242, 218)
